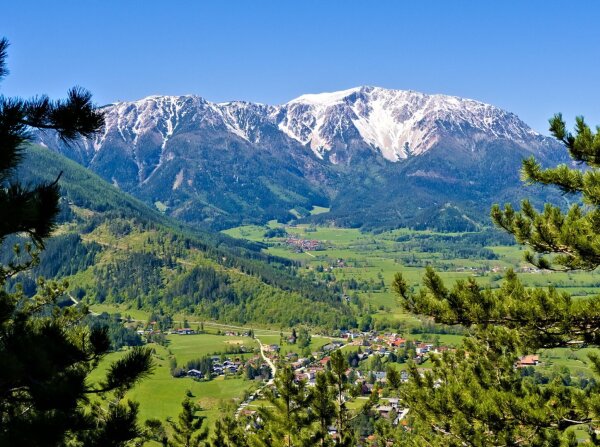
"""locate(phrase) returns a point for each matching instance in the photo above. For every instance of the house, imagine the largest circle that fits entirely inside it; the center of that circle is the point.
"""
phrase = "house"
(528, 360)
(384, 410)
(423, 348)
(398, 342)
(195, 373)
(366, 388)
(379, 375)
(401, 415)
(324, 360)
(297, 364)
(312, 372)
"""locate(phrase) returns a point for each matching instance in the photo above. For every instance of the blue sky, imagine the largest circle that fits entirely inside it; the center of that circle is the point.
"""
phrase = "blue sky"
(533, 58)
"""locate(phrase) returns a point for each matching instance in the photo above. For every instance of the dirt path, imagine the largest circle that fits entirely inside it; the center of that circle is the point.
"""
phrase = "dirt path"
(268, 361)
(257, 393)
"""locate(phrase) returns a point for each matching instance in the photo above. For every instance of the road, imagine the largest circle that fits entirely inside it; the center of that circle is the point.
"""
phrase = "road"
(257, 393)
(268, 361)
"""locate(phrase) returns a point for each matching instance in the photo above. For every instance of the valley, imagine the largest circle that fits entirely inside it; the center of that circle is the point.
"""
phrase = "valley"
(372, 260)
(122, 258)
(299, 224)
(363, 265)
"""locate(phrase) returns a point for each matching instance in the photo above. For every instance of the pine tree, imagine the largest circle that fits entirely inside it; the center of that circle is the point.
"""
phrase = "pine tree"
(286, 420)
(323, 408)
(339, 380)
(45, 353)
(228, 433)
(186, 431)
(572, 237)
(476, 396)
(393, 378)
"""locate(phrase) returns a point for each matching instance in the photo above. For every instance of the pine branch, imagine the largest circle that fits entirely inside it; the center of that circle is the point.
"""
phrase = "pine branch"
(3, 54)
(126, 372)
(76, 116)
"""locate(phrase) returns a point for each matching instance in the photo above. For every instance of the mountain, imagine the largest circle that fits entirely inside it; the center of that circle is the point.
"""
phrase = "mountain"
(396, 123)
(112, 248)
(379, 158)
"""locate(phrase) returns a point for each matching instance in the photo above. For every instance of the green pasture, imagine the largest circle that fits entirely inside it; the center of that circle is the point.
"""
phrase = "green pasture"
(189, 347)
(160, 394)
(380, 256)
(319, 210)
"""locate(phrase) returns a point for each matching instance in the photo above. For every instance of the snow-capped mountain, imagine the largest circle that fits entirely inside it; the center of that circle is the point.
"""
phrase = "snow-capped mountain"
(239, 160)
(397, 123)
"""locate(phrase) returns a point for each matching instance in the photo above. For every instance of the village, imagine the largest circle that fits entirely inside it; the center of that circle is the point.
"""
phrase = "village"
(369, 355)
(301, 245)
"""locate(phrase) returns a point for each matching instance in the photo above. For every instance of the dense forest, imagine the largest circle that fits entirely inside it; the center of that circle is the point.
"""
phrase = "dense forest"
(113, 249)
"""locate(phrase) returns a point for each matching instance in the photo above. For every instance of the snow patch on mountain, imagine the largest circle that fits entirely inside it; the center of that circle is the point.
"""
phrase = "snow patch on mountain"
(395, 123)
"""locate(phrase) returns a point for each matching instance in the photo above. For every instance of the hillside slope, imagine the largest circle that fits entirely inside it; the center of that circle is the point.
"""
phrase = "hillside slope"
(113, 248)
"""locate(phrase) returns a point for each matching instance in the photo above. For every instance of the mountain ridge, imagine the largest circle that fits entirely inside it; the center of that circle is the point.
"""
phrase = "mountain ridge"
(412, 104)
(224, 164)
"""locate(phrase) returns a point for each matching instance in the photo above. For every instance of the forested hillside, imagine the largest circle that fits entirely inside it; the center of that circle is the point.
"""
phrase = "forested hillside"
(112, 248)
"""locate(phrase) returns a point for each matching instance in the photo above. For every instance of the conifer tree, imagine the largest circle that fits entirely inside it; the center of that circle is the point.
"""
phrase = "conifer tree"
(339, 380)
(46, 355)
(323, 408)
(476, 396)
(393, 378)
(286, 420)
(228, 433)
(186, 431)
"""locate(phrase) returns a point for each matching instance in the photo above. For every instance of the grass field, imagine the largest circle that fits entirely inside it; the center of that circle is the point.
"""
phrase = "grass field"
(188, 347)
(160, 395)
(316, 343)
(377, 257)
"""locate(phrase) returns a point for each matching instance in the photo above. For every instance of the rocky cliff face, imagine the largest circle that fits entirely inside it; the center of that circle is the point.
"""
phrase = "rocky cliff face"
(222, 164)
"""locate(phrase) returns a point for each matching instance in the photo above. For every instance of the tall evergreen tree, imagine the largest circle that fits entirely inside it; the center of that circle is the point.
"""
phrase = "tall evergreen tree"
(46, 354)
(339, 380)
(186, 431)
(228, 433)
(392, 376)
(323, 408)
(476, 396)
(286, 420)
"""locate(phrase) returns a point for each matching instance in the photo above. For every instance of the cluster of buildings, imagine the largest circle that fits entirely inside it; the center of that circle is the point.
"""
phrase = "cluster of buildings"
(218, 368)
(303, 244)
(227, 366)
(369, 344)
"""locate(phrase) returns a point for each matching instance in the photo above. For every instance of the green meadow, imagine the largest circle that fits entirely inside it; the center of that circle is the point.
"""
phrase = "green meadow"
(160, 394)
(369, 257)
